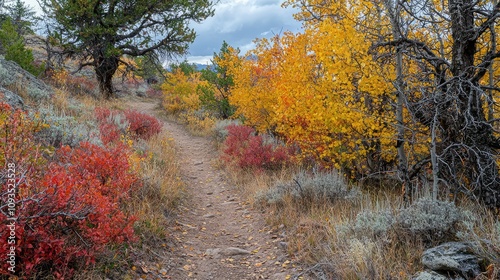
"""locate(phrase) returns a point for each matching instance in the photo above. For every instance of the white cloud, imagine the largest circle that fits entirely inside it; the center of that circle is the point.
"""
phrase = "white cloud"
(34, 4)
(205, 60)
(240, 22)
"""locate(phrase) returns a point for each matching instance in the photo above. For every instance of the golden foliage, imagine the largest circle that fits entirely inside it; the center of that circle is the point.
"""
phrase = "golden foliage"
(180, 92)
(320, 89)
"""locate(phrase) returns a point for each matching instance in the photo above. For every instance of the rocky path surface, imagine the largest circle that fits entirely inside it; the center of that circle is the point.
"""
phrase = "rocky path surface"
(217, 234)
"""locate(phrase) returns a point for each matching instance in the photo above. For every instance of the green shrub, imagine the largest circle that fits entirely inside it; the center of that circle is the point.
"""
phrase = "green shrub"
(15, 50)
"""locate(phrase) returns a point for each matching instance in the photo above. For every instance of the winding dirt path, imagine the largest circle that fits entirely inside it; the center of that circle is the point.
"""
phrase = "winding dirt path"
(219, 235)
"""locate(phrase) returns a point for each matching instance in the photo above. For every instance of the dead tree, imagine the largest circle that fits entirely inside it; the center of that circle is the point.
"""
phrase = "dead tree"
(465, 145)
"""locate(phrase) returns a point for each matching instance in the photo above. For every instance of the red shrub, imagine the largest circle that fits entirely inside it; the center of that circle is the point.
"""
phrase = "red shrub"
(74, 84)
(65, 211)
(110, 126)
(109, 133)
(81, 85)
(102, 114)
(248, 150)
(154, 93)
(142, 125)
(139, 125)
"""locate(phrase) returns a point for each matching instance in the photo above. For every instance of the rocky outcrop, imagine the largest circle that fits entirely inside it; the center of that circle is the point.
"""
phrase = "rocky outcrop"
(14, 100)
(12, 73)
(452, 260)
(430, 275)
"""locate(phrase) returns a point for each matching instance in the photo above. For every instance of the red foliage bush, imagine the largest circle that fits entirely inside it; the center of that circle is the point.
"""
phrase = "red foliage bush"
(139, 125)
(154, 93)
(109, 130)
(81, 85)
(109, 133)
(65, 211)
(75, 84)
(142, 125)
(248, 150)
(102, 114)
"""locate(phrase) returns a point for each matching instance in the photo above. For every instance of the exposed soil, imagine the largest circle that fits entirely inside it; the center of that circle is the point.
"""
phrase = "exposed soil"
(217, 234)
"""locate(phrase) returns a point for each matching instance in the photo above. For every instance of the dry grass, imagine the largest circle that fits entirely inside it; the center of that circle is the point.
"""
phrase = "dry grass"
(162, 188)
(197, 125)
(328, 236)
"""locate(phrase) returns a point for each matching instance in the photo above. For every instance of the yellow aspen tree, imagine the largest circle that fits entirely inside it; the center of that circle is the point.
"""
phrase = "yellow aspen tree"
(180, 91)
(254, 77)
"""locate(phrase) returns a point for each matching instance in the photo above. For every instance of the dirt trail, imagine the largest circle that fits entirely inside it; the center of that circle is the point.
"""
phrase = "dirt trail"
(219, 235)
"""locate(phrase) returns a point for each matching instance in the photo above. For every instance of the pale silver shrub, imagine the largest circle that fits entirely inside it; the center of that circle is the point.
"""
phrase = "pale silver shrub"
(431, 218)
(38, 94)
(66, 130)
(120, 121)
(370, 223)
(220, 129)
(308, 188)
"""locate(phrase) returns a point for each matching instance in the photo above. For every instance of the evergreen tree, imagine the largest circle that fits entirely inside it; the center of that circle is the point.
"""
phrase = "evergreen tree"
(23, 17)
(216, 96)
(100, 32)
(12, 45)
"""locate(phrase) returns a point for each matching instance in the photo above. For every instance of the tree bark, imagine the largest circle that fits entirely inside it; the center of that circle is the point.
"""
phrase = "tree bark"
(105, 68)
(393, 10)
(467, 138)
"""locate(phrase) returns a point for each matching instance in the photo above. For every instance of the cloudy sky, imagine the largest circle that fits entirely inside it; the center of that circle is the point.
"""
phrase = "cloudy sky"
(238, 22)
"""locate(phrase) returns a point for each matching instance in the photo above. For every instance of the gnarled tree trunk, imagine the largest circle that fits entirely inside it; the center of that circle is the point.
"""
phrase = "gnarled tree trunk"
(105, 68)
(468, 147)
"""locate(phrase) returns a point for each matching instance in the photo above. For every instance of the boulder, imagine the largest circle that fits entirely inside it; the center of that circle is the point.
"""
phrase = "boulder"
(453, 257)
(233, 251)
(14, 100)
(429, 275)
(432, 275)
(16, 74)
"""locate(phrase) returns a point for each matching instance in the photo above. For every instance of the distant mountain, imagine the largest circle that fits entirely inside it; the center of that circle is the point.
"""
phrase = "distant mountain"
(200, 67)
